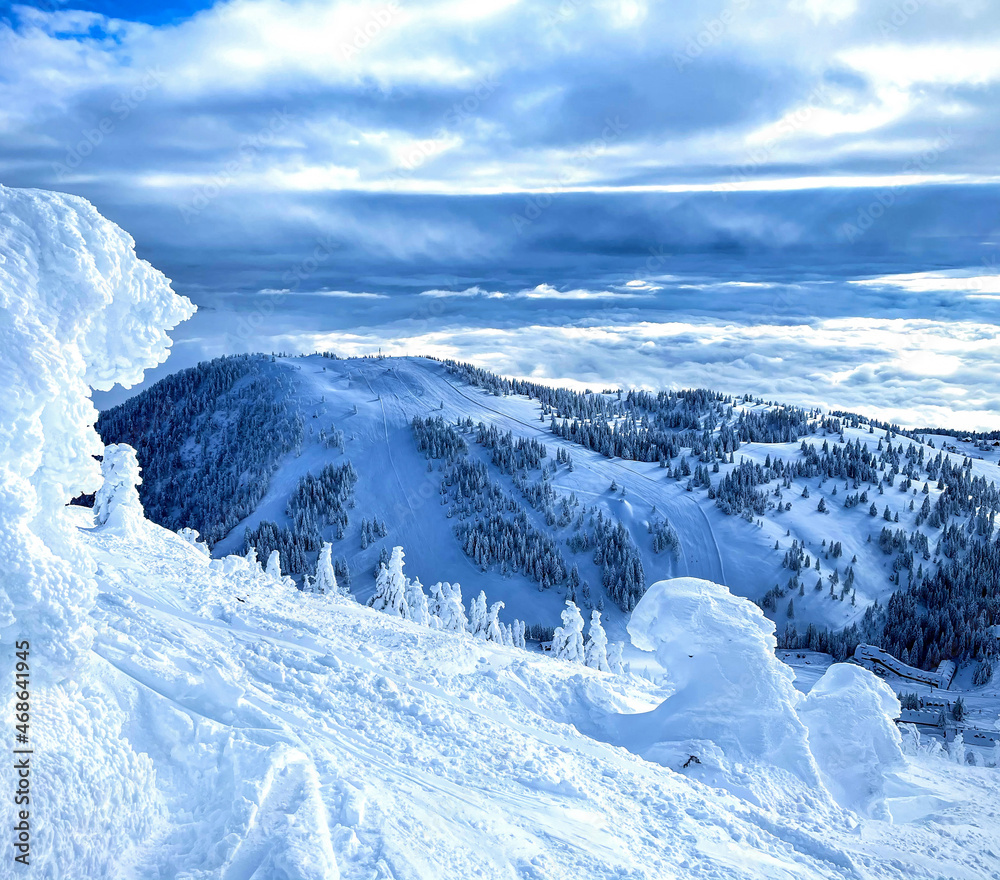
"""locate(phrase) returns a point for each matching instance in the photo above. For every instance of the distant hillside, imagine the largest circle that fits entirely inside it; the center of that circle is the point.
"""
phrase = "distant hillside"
(839, 527)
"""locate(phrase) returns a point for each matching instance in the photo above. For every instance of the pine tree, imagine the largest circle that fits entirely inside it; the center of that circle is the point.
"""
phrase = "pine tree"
(326, 579)
(615, 658)
(390, 586)
(116, 503)
(596, 651)
(567, 640)
(448, 607)
(273, 569)
(478, 616)
(494, 629)
(416, 603)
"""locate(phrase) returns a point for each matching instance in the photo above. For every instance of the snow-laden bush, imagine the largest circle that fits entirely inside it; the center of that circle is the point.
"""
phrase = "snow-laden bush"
(852, 735)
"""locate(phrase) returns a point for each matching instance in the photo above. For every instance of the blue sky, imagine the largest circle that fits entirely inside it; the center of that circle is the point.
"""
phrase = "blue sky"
(562, 150)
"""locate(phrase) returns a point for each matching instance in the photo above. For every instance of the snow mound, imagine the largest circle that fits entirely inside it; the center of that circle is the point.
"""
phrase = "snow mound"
(733, 700)
(79, 311)
(849, 713)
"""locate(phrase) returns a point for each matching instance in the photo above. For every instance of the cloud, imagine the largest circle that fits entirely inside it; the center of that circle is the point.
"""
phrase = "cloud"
(503, 167)
(634, 289)
(954, 281)
(336, 294)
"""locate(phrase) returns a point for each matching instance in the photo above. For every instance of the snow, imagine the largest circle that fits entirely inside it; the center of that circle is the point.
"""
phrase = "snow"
(197, 718)
(434, 754)
(732, 699)
(81, 312)
(849, 713)
(116, 503)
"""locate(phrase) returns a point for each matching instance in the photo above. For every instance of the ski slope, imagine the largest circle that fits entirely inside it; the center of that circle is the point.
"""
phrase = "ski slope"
(395, 484)
(373, 400)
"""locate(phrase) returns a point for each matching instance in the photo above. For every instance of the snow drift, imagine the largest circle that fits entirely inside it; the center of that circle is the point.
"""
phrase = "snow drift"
(849, 713)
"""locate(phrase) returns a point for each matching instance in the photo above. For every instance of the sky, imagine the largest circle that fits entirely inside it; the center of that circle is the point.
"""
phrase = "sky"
(794, 199)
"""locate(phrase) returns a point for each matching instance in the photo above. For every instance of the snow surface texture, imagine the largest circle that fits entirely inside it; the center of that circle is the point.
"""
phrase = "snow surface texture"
(849, 713)
(218, 723)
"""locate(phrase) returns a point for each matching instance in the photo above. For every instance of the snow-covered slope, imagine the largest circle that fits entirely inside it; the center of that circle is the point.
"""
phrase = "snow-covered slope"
(290, 733)
(198, 718)
(373, 401)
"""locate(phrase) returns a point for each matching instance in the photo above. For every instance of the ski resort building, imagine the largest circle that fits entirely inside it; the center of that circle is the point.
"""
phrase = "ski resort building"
(881, 662)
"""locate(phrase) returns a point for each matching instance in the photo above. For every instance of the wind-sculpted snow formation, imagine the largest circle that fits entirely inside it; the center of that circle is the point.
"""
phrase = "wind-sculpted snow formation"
(732, 701)
(78, 311)
(732, 698)
(849, 713)
(81, 311)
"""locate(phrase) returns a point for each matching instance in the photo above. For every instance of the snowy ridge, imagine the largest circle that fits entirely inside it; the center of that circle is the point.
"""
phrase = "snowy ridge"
(845, 516)
(197, 718)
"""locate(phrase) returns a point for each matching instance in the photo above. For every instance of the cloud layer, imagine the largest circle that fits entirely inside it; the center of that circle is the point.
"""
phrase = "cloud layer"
(619, 164)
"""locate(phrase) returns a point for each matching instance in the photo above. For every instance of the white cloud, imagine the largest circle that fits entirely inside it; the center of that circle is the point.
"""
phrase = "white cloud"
(925, 282)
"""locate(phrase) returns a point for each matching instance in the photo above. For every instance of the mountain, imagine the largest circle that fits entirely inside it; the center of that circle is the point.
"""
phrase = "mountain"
(175, 715)
(536, 494)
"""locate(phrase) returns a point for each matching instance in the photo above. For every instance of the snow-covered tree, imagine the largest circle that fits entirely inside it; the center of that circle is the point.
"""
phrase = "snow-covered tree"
(596, 652)
(448, 607)
(273, 567)
(326, 579)
(193, 538)
(567, 640)
(390, 586)
(494, 629)
(416, 603)
(615, 663)
(519, 634)
(116, 503)
(956, 751)
(478, 616)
